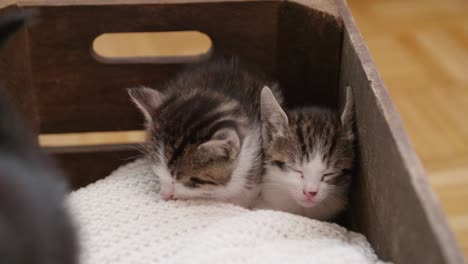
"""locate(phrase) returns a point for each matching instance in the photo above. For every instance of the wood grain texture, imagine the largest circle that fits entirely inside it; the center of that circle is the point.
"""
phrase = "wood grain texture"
(326, 6)
(309, 48)
(15, 74)
(421, 48)
(96, 100)
(77, 93)
(413, 221)
(85, 165)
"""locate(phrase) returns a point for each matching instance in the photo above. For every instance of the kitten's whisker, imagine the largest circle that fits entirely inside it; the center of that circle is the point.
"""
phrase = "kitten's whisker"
(134, 157)
(350, 146)
(140, 148)
(342, 150)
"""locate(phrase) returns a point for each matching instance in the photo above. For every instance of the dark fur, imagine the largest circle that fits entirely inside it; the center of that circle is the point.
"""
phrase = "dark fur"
(188, 118)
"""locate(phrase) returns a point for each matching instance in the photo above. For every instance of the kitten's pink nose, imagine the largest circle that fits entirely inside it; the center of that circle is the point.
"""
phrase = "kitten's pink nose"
(309, 195)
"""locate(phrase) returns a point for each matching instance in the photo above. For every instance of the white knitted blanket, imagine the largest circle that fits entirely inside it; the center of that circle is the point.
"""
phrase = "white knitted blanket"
(122, 220)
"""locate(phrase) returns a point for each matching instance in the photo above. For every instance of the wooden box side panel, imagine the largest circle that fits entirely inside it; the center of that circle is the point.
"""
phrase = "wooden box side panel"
(76, 93)
(392, 203)
(86, 165)
(309, 47)
(15, 73)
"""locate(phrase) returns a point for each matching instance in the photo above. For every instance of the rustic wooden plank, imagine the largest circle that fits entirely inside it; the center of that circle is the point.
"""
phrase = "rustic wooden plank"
(392, 202)
(15, 73)
(327, 6)
(309, 47)
(91, 148)
(86, 165)
(76, 93)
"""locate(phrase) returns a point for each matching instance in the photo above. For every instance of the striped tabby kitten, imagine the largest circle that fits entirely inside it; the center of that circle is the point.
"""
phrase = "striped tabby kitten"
(308, 158)
(204, 133)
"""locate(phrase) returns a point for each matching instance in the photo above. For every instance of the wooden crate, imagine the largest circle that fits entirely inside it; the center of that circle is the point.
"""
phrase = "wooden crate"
(313, 47)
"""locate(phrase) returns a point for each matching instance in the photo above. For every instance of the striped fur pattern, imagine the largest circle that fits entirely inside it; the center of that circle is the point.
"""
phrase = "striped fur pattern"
(309, 155)
(204, 133)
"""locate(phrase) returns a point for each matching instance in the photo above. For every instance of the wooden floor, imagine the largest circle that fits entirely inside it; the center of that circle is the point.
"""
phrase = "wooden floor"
(421, 50)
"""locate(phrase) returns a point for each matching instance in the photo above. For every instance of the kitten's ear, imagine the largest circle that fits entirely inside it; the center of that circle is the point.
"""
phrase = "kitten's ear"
(225, 143)
(347, 116)
(274, 119)
(147, 100)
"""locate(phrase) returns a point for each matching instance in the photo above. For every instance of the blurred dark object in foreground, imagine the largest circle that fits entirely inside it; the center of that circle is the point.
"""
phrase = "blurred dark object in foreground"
(35, 227)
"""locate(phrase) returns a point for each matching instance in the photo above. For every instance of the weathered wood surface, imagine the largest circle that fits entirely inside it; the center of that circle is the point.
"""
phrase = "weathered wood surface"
(392, 202)
(15, 74)
(77, 93)
(309, 47)
(326, 6)
(85, 165)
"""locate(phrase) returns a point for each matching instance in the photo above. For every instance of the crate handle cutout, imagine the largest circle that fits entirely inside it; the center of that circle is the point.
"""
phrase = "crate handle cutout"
(88, 139)
(152, 47)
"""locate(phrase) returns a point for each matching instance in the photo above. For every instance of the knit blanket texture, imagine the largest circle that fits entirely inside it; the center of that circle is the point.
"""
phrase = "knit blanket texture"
(122, 220)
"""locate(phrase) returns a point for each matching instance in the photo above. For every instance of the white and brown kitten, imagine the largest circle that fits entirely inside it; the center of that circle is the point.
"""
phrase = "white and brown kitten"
(204, 133)
(309, 156)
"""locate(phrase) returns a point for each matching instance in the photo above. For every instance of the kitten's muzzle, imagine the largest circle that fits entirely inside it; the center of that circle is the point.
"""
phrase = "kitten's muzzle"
(309, 195)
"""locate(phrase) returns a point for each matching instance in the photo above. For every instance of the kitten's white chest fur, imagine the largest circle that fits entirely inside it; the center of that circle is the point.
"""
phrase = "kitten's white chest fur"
(235, 191)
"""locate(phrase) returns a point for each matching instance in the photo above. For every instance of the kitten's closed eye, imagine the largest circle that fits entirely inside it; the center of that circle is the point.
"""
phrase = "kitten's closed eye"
(196, 180)
(278, 163)
(330, 175)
